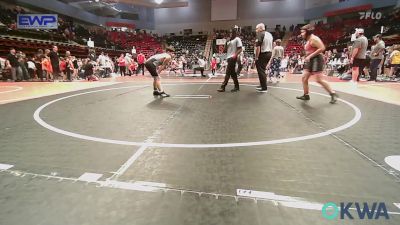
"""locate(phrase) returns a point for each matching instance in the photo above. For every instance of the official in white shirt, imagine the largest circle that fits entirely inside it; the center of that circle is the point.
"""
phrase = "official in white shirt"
(263, 54)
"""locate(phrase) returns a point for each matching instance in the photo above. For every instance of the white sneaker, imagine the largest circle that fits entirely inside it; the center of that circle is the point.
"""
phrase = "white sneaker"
(353, 84)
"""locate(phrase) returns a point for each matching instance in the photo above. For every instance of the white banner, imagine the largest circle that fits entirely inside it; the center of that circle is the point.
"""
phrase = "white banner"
(221, 41)
(37, 21)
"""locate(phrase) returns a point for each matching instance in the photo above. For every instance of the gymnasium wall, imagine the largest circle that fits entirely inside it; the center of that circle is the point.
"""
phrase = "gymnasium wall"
(197, 15)
(318, 12)
(318, 3)
(223, 10)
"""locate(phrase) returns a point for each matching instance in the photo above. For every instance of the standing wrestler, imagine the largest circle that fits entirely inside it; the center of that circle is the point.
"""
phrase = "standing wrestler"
(155, 65)
(314, 63)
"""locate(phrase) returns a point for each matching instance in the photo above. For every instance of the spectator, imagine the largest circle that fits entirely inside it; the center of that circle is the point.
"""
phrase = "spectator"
(128, 62)
(38, 64)
(122, 64)
(89, 70)
(13, 65)
(23, 66)
(141, 59)
(213, 65)
(31, 67)
(358, 57)
(55, 62)
(108, 67)
(394, 61)
(201, 66)
(133, 68)
(376, 56)
(62, 67)
(184, 63)
(69, 66)
(75, 63)
(275, 62)
(46, 66)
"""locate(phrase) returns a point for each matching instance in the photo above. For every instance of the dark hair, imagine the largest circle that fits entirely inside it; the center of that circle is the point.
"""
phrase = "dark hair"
(234, 31)
(308, 28)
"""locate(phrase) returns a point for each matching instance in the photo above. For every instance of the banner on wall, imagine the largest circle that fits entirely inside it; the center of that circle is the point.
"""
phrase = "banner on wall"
(221, 41)
(37, 21)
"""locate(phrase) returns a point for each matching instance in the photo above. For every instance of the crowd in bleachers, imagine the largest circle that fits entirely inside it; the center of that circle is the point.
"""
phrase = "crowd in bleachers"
(188, 49)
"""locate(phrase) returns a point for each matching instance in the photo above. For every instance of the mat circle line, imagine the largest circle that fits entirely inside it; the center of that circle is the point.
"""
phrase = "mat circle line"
(39, 120)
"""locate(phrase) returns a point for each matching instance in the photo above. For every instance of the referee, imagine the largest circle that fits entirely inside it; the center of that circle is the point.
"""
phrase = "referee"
(235, 46)
(263, 54)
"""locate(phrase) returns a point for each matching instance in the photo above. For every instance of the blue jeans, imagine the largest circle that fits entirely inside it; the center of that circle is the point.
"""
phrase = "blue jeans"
(374, 68)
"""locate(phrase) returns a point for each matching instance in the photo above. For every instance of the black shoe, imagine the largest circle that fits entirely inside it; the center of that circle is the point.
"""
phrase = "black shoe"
(235, 90)
(156, 93)
(304, 97)
(164, 95)
(334, 97)
(222, 89)
(262, 90)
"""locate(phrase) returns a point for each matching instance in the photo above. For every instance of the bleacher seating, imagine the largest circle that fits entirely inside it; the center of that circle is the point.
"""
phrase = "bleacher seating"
(194, 45)
(143, 42)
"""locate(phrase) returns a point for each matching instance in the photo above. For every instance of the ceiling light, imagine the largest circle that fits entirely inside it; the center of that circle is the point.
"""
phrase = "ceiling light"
(159, 1)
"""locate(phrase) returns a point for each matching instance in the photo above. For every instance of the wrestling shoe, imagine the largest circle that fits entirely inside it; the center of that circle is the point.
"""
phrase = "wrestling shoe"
(334, 97)
(304, 97)
(164, 95)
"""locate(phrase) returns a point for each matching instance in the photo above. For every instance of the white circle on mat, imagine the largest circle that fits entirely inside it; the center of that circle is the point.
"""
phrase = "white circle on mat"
(16, 88)
(38, 119)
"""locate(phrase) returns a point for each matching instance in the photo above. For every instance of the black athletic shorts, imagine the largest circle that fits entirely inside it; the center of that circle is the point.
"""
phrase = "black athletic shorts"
(316, 64)
(360, 63)
(151, 67)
